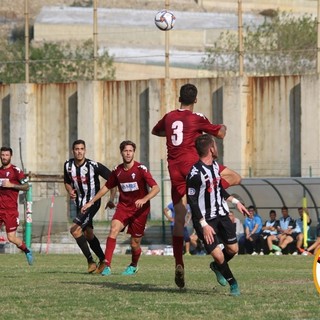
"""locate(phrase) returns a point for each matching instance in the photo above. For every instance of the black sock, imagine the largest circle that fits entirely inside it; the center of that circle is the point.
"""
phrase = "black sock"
(227, 256)
(226, 272)
(96, 248)
(83, 245)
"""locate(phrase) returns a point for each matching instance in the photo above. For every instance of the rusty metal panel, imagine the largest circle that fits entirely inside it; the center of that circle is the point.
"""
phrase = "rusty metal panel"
(261, 113)
(269, 126)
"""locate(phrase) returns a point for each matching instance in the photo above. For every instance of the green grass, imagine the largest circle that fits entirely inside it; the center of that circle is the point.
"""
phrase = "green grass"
(57, 287)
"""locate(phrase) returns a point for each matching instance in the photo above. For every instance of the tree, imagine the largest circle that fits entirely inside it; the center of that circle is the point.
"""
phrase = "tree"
(52, 62)
(283, 44)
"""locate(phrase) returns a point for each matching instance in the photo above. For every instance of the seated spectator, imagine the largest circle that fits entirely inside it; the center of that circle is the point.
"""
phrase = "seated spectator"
(252, 229)
(299, 230)
(316, 245)
(270, 231)
(238, 225)
(196, 245)
(286, 235)
(239, 230)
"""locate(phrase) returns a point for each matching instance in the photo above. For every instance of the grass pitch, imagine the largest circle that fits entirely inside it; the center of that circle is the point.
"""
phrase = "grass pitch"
(57, 287)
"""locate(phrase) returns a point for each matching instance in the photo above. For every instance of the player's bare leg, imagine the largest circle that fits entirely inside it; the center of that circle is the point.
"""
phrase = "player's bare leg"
(177, 241)
(116, 227)
(81, 240)
(12, 237)
(95, 246)
(135, 256)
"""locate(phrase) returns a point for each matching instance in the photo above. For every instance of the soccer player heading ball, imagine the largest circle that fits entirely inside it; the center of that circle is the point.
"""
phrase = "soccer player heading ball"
(181, 127)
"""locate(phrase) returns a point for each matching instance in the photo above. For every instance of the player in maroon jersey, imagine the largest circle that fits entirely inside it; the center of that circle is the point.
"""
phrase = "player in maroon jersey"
(181, 127)
(132, 179)
(12, 180)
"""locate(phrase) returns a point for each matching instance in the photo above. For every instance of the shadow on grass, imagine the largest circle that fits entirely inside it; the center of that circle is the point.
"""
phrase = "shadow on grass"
(66, 272)
(144, 287)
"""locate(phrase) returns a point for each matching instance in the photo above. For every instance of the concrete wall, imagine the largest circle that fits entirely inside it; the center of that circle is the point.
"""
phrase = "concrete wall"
(272, 123)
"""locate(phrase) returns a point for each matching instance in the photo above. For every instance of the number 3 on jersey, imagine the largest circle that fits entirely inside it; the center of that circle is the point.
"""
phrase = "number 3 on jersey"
(177, 133)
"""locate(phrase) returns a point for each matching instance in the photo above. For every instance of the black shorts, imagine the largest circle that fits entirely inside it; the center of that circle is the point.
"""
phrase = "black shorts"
(84, 220)
(225, 232)
(266, 235)
(255, 236)
(294, 235)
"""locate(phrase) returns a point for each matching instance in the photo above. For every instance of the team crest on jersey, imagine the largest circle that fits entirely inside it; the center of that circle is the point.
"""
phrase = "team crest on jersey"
(215, 182)
(133, 176)
(191, 191)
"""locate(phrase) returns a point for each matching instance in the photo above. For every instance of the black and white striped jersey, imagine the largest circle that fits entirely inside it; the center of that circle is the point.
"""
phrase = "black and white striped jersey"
(85, 179)
(205, 194)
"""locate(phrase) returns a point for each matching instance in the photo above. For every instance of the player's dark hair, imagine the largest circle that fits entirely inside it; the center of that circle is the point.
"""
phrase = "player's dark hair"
(203, 143)
(79, 141)
(6, 149)
(252, 207)
(272, 211)
(125, 143)
(188, 94)
(284, 208)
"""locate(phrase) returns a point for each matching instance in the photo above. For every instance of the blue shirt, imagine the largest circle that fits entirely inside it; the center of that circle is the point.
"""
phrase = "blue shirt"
(250, 223)
(299, 225)
(286, 223)
(171, 208)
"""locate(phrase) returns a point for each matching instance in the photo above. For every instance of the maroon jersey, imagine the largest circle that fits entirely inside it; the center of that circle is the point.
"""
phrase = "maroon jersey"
(9, 196)
(182, 127)
(132, 184)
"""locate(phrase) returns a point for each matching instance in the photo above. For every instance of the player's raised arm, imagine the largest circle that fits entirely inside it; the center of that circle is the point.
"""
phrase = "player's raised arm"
(231, 177)
(222, 132)
(158, 130)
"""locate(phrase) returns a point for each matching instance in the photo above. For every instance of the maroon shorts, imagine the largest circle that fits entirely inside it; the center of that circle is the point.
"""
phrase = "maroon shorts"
(10, 218)
(178, 173)
(135, 220)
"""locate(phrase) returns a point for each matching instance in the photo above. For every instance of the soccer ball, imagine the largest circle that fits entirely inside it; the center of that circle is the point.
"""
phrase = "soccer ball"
(164, 20)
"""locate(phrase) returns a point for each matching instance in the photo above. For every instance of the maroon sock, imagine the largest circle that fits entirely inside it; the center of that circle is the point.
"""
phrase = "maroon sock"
(135, 257)
(110, 246)
(23, 247)
(177, 244)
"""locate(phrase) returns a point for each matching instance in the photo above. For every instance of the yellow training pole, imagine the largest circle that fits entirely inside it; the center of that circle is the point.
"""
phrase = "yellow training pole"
(305, 223)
